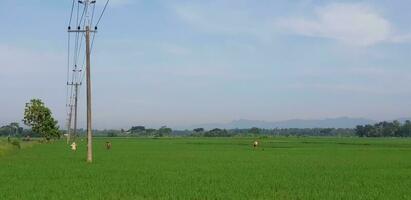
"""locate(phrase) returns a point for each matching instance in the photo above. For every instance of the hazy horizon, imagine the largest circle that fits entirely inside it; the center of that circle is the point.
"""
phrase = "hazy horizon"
(182, 63)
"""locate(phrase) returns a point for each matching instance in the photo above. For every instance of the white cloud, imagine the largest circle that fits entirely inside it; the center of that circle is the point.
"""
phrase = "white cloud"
(227, 18)
(354, 24)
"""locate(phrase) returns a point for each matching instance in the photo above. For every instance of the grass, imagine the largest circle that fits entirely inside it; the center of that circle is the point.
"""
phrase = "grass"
(6, 147)
(217, 168)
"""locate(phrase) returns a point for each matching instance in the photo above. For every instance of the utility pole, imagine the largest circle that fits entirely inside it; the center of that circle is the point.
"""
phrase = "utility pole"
(75, 110)
(88, 80)
(69, 124)
(76, 85)
(83, 28)
(87, 32)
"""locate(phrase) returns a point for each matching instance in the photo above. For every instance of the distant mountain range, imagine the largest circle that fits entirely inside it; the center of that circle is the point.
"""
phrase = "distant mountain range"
(339, 122)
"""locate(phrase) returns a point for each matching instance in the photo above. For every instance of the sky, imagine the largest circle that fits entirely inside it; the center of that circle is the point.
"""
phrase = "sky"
(180, 63)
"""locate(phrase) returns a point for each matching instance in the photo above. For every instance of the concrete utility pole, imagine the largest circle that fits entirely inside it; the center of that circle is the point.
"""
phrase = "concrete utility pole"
(75, 111)
(69, 124)
(88, 79)
(87, 32)
(83, 29)
(76, 85)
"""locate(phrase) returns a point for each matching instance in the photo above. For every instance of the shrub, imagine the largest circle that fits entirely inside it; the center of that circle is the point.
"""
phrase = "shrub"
(16, 143)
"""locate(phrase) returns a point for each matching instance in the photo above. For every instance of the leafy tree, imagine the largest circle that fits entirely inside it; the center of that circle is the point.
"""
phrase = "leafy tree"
(163, 131)
(255, 131)
(13, 129)
(217, 133)
(151, 132)
(326, 131)
(111, 134)
(405, 130)
(396, 128)
(198, 130)
(360, 131)
(40, 119)
(385, 129)
(137, 129)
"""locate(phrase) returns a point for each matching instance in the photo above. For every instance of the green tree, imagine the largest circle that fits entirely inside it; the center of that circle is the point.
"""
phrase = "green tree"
(255, 131)
(13, 129)
(406, 129)
(151, 132)
(217, 133)
(137, 129)
(111, 134)
(360, 131)
(198, 130)
(164, 131)
(40, 119)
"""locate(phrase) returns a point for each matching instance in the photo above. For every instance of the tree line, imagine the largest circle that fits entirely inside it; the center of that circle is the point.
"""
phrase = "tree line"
(385, 129)
(15, 130)
(39, 118)
(255, 131)
(142, 131)
(381, 129)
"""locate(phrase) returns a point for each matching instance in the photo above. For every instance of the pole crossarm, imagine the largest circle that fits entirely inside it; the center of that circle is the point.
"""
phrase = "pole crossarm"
(74, 84)
(81, 31)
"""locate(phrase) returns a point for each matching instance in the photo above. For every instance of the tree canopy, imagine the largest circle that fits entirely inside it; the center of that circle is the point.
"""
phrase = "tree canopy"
(385, 129)
(40, 119)
(13, 129)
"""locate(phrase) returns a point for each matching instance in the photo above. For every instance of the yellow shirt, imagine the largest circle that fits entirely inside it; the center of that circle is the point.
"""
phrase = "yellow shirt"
(73, 146)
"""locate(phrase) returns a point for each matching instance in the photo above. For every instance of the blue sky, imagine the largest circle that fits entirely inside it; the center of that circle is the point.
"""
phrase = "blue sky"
(179, 63)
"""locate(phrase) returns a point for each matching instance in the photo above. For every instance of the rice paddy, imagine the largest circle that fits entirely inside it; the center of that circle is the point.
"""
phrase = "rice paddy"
(211, 168)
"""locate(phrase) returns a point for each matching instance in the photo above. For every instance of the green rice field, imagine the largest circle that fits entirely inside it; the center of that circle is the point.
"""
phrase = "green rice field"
(210, 168)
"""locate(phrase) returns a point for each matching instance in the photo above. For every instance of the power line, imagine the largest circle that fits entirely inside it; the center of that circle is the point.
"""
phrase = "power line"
(68, 65)
(82, 15)
(102, 13)
(84, 22)
(71, 15)
(92, 15)
(81, 12)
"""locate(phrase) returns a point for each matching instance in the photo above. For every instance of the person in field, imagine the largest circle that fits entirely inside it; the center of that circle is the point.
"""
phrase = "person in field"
(108, 145)
(255, 144)
(73, 146)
